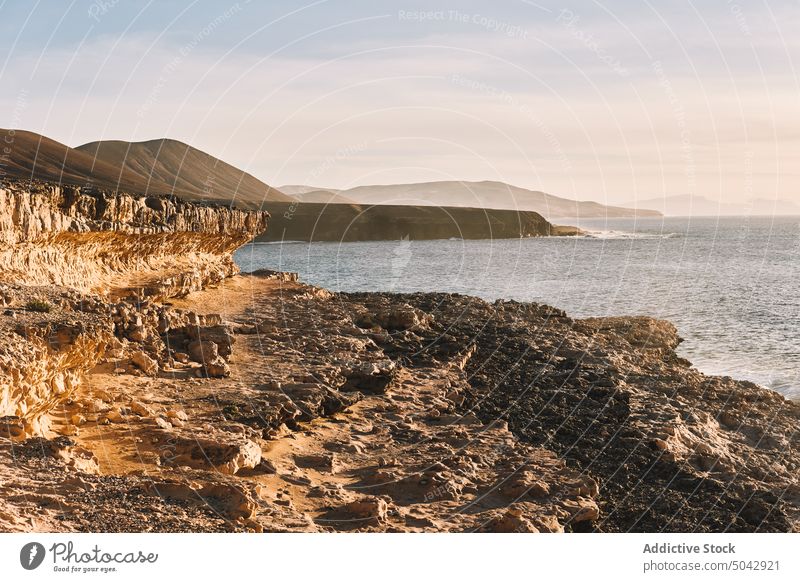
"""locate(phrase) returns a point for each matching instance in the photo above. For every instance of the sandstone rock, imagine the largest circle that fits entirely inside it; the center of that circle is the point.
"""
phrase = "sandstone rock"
(78, 419)
(128, 236)
(220, 335)
(69, 430)
(234, 501)
(141, 409)
(581, 510)
(103, 395)
(548, 523)
(525, 483)
(163, 424)
(203, 351)
(115, 416)
(64, 450)
(138, 334)
(367, 511)
(371, 377)
(217, 368)
(97, 405)
(226, 457)
(396, 318)
(145, 363)
(512, 521)
(177, 414)
(328, 463)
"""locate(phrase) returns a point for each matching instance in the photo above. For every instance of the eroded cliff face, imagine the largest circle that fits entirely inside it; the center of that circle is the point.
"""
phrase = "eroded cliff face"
(65, 252)
(49, 339)
(117, 243)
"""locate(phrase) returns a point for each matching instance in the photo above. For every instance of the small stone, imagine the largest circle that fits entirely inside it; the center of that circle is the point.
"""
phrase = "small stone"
(179, 414)
(141, 409)
(114, 416)
(203, 351)
(78, 419)
(218, 368)
(104, 395)
(163, 424)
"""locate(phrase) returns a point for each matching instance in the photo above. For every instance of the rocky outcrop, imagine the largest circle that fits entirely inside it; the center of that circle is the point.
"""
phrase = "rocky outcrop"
(59, 243)
(49, 338)
(670, 448)
(93, 240)
(382, 412)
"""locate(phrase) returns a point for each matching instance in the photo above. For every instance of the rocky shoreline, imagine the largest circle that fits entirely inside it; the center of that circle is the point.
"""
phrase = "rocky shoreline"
(140, 393)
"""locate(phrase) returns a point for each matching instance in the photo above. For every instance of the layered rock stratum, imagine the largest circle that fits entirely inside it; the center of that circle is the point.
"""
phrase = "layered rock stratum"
(257, 403)
(93, 240)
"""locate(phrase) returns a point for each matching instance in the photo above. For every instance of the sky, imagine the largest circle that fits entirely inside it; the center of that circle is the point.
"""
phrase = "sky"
(606, 101)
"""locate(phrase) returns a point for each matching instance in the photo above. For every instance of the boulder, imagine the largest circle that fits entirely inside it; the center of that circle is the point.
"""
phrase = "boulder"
(370, 377)
(225, 457)
(217, 368)
(221, 335)
(203, 351)
(145, 363)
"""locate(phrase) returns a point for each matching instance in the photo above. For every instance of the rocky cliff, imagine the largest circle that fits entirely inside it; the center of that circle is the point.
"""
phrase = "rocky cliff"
(93, 240)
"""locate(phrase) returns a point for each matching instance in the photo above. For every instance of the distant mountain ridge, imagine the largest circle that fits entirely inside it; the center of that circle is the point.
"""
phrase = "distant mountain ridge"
(694, 205)
(316, 195)
(486, 194)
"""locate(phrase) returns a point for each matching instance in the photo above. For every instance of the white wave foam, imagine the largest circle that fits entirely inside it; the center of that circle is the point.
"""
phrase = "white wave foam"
(622, 235)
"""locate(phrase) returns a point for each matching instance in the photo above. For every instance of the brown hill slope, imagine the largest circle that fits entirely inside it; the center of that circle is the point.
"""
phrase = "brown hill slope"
(26, 155)
(194, 173)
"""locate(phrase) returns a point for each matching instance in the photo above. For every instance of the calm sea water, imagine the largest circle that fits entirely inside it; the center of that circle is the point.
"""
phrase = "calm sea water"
(730, 285)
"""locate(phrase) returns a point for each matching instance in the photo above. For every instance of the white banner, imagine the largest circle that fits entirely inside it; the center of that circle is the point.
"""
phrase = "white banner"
(352, 557)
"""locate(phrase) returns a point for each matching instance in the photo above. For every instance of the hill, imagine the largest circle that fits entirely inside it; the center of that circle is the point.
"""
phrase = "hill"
(31, 156)
(186, 169)
(353, 222)
(161, 166)
(486, 194)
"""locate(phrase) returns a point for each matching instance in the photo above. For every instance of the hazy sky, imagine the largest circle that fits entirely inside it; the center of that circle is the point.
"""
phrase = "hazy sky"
(592, 100)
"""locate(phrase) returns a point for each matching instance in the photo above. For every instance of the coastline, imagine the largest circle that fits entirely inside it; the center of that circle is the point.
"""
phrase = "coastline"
(399, 419)
(259, 403)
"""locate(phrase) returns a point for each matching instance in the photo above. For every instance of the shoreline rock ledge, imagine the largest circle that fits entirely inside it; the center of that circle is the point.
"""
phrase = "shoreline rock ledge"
(71, 259)
(116, 243)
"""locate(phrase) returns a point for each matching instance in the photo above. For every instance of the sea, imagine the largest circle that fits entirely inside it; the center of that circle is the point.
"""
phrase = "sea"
(731, 285)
